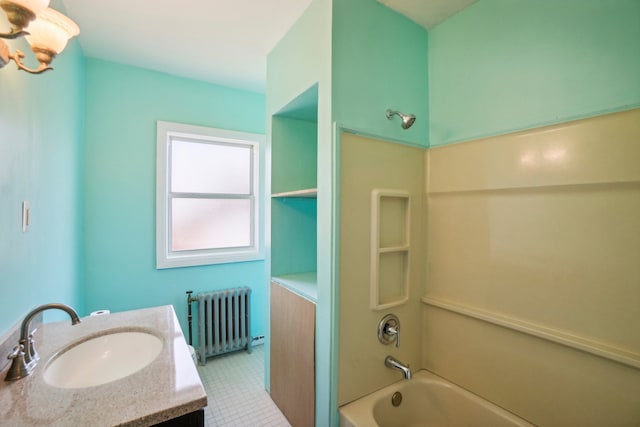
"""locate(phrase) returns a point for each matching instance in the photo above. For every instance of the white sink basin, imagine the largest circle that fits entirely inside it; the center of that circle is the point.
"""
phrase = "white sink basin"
(102, 359)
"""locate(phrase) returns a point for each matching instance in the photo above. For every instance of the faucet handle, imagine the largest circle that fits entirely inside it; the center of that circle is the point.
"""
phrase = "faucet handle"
(16, 351)
(19, 368)
(389, 330)
(394, 331)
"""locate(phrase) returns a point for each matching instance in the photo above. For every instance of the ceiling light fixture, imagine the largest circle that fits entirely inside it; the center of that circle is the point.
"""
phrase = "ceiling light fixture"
(47, 31)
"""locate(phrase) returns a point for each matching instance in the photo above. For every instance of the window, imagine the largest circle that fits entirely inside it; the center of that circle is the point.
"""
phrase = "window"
(208, 195)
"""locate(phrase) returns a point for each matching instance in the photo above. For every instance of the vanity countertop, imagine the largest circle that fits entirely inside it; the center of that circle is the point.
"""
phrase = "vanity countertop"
(165, 389)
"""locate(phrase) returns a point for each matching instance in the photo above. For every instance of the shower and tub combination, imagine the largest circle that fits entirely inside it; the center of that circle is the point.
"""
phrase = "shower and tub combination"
(421, 399)
(425, 400)
(404, 397)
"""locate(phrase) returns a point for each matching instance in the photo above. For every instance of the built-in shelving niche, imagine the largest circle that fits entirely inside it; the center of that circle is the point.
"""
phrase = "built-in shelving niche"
(294, 142)
(390, 248)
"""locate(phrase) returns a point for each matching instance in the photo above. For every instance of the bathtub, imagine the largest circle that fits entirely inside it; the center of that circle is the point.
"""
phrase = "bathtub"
(427, 401)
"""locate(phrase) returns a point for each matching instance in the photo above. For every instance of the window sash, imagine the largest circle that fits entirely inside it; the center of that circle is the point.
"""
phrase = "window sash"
(166, 257)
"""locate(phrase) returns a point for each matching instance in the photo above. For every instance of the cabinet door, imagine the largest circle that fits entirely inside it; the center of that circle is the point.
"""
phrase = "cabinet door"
(293, 356)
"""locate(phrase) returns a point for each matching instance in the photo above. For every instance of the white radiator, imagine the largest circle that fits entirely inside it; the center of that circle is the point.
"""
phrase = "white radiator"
(223, 322)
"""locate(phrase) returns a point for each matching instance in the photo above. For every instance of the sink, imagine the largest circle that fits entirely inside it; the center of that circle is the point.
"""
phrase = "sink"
(101, 359)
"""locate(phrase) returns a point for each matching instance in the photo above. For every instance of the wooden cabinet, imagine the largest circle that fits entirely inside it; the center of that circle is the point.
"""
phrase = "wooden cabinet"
(292, 360)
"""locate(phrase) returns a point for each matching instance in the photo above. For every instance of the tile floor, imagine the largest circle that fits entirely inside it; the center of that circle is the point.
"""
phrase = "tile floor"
(235, 389)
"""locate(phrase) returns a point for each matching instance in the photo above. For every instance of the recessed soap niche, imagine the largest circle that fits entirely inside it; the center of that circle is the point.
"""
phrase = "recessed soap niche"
(390, 246)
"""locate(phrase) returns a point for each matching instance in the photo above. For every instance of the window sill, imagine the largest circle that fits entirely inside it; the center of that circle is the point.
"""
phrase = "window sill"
(194, 260)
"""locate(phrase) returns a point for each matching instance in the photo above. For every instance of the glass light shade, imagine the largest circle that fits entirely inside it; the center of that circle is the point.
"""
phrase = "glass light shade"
(51, 31)
(35, 6)
(20, 13)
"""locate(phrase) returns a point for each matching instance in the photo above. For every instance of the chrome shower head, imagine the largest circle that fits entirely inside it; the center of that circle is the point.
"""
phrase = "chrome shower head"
(407, 119)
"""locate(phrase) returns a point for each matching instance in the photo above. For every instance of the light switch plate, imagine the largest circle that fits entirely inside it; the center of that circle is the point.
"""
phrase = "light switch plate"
(25, 216)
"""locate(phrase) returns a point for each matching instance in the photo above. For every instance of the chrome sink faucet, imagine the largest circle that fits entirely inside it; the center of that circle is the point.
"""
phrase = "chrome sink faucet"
(24, 356)
(391, 362)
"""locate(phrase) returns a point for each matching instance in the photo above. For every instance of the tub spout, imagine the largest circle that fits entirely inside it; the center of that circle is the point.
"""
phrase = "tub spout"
(393, 363)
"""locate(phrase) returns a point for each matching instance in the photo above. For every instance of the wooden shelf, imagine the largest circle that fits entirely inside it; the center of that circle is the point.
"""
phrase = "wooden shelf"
(309, 193)
(303, 284)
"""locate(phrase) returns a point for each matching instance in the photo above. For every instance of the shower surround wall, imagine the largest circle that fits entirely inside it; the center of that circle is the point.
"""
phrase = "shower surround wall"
(532, 250)
(369, 164)
(531, 283)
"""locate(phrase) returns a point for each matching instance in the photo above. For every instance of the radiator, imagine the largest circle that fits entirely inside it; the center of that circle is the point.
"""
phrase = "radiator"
(224, 322)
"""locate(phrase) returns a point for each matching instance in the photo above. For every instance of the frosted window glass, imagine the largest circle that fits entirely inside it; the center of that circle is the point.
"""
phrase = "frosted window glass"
(210, 224)
(210, 168)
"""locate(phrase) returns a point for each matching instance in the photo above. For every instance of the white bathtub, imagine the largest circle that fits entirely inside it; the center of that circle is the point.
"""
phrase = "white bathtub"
(427, 401)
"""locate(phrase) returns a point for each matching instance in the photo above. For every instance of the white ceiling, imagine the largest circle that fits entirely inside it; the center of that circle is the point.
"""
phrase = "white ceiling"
(427, 13)
(221, 41)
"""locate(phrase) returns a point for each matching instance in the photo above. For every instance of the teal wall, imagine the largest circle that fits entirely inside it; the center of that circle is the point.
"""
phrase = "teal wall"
(301, 60)
(379, 61)
(40, 158)
(505, 65)
(294, 241)
(294, 157)
(123, 105)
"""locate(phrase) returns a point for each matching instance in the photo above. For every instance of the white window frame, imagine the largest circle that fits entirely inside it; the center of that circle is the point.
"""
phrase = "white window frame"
(165, 257)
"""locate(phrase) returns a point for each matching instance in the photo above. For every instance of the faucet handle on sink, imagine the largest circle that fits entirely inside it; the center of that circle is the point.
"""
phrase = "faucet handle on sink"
(19, 367)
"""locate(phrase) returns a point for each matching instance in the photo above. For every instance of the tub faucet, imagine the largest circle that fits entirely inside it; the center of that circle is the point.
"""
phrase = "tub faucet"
(24, 357)
(391, 362)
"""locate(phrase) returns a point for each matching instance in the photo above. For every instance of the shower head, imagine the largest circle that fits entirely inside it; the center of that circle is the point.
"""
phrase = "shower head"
(407, 119)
